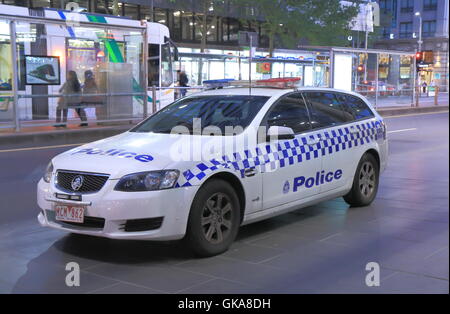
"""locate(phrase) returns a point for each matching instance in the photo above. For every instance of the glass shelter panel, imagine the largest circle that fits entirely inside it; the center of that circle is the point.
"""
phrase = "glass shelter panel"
(6, 76)
(77, 73)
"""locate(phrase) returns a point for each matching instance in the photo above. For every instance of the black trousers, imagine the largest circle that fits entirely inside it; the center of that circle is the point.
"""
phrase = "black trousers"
(81, 113)
(64, 115)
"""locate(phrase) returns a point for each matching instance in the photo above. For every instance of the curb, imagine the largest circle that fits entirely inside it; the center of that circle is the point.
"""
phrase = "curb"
(59, 137)
(388, 112)
(77, 136)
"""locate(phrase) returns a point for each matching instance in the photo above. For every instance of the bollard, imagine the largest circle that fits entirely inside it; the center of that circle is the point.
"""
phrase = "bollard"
(436, 91)
(153, 99)
(417, 96)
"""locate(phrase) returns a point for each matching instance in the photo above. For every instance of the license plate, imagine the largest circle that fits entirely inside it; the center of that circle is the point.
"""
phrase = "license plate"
(69, 213)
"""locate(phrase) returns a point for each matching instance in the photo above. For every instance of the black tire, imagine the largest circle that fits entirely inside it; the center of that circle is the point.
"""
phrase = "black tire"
(214, 218)
(365, 182)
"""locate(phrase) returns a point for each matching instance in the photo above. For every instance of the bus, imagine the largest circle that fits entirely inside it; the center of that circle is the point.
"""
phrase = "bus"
(39, 47)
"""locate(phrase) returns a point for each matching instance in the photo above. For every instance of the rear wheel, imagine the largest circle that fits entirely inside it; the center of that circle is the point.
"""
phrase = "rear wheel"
(214, 218)
(365, 182)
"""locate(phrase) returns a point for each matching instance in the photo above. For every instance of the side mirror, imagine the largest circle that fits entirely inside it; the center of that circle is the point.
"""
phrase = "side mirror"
(280, 133)
(174, 48)
(176, 55)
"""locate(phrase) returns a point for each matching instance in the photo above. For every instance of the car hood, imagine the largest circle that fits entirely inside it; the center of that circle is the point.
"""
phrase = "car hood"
(119, 155)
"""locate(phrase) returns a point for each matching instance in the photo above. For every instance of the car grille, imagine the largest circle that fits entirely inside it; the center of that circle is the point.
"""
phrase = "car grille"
(91, 182)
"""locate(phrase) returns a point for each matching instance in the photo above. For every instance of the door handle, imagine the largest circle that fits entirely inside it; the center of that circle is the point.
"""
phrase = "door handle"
(354, 130)
(250, 172)
(312, 141)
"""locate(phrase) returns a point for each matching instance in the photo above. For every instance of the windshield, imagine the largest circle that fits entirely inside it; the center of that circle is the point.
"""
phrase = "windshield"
(216, 111)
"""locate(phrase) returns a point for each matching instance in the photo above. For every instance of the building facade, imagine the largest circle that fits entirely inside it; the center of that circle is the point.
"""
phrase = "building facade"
(182, 18)
(401, 32)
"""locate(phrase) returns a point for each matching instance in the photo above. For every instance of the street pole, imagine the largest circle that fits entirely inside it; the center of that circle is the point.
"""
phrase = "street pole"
(420, 33)
(367, 26)
(367, 37)
(12, 31)
(152, 8)
(376, 80)
(419, 42)
(250, 64)
(414, 91)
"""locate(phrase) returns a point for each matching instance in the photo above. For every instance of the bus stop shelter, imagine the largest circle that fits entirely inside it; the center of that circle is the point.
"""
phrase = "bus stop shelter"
(385, 77)
(40, 50)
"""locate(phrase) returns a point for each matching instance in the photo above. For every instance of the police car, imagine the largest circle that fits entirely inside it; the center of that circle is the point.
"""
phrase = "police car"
(211, 162)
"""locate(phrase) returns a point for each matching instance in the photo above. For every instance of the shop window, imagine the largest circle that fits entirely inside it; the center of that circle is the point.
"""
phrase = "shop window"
(428, 57)
(146, 13)
(40, 3)
(212, 29)
(187, 26)
(101, 7)
(161, 16)
(225, 29)
(176, 29)
(233, 30)
(198, 26)
(132, 11)
(19, 3)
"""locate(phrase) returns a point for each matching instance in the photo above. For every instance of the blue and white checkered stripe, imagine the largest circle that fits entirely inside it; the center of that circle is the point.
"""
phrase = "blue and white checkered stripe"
(266, 157)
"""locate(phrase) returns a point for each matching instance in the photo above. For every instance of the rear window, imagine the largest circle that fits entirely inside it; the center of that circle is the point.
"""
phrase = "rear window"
(358, 107)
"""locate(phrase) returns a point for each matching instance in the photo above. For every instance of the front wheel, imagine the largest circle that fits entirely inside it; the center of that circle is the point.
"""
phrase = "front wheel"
(214, 218)
(365, 182)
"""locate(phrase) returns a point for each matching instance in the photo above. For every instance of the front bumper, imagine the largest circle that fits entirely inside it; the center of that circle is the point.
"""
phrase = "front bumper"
(116, 208)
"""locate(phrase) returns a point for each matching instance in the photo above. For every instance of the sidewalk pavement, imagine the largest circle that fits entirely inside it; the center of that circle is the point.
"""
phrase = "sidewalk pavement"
(74, 134)
(405, 101)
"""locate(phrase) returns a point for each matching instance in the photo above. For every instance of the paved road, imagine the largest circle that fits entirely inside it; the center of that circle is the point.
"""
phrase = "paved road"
(323, 248)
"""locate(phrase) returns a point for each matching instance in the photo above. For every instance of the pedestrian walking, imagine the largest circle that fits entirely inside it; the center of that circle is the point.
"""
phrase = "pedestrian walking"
(182, 82)
(90, 89)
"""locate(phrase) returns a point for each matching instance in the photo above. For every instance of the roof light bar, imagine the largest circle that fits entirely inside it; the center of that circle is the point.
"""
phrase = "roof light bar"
(282, 83)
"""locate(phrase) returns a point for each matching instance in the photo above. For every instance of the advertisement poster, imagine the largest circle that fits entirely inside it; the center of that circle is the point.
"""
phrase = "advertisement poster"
(42, 70)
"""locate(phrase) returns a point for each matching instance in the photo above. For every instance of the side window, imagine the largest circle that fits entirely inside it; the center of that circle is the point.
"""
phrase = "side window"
(153, 65)
(347, 111)
(291, 112)
(358, 107)
(326, 109)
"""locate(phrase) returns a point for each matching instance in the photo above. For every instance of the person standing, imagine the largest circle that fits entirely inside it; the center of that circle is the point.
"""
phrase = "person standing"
(90, 89)
(182, 82)
(424, 88)
(70, 91)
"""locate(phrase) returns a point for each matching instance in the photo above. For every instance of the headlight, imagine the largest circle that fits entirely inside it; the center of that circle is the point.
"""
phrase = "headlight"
(148, 181)
(48, 172)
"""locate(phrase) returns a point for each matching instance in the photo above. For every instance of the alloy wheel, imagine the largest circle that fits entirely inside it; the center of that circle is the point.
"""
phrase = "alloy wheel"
(367, 179)
(216, 218)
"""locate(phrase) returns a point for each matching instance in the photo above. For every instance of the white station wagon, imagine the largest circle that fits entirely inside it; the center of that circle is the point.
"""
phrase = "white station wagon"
(211, 162)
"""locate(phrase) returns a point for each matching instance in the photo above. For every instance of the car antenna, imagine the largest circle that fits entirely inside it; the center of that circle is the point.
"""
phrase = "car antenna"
(250, 66)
